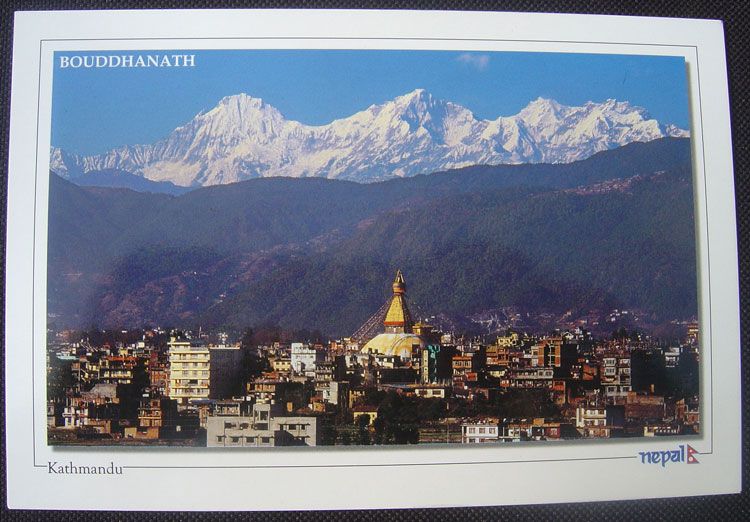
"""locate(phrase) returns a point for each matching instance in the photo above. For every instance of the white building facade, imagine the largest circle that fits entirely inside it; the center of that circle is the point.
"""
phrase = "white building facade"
(304, 358)
(479, 432)
(264, 427)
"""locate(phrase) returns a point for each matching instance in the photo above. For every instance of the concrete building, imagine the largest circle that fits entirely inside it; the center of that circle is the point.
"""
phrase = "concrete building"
(528, 378)
(537, 428)
(480, 432)
(672, 356)
(202, 372)
(304, 358)
(281, 364)
(157, 418)
(591, 421)
(435, 364)
(661, 430)
(225, 368)
(158, 372)
(431, 391)
(264, 426)
(279, 391)
(189, 371)
(615, 378)
(337, 393)
(117, 369)
(599, 421)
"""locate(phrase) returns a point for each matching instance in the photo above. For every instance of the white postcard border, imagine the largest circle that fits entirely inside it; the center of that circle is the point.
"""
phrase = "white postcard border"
(342, 478)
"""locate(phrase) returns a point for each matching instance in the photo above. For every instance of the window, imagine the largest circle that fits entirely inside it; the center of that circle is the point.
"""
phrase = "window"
(265, 440)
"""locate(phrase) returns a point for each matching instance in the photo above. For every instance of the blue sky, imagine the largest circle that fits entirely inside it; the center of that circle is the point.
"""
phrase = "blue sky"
(94, 110)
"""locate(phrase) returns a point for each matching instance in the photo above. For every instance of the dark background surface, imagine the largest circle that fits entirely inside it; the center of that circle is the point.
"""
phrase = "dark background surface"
(734, 14)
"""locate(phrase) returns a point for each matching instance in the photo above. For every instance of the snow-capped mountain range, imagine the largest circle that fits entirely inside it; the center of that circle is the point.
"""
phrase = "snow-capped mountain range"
(244, 137)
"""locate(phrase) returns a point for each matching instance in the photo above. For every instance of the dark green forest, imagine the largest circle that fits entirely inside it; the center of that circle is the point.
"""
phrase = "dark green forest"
(319, 254)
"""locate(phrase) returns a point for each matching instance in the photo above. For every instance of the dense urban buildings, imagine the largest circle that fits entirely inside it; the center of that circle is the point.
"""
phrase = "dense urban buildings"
(397, 380)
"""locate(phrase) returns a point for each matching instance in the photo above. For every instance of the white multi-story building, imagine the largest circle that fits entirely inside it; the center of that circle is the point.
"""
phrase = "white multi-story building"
(672, 356)
(478, 432)
(591, 416)
(615, 378)
(202, 372)
(265, 426)
(336, 392)
(304, 357)
(596, 421)
(189, 371)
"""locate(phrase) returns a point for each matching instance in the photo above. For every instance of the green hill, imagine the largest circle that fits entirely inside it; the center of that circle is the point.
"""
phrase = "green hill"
(316, 253)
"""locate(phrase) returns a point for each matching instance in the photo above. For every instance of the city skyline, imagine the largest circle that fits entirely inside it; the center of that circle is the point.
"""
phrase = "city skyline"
(408, 384)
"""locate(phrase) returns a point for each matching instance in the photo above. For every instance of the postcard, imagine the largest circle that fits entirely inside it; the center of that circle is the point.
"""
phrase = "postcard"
(376, 259)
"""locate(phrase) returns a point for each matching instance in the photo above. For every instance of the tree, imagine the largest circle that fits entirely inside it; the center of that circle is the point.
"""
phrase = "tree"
(363, 422)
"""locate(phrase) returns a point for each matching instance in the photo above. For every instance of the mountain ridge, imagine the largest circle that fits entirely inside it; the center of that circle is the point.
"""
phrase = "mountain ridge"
(244, 137)
(278, 249)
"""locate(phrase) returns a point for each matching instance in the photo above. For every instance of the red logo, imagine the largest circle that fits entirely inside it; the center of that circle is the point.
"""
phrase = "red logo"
(691, 459)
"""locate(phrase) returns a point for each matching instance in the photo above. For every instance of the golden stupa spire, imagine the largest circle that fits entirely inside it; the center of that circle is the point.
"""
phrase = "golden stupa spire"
(399, 285)
(398, 318)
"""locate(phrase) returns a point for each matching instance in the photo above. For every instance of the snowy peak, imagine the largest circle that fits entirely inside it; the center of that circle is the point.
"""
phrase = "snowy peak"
(243, 137)
(439, 121)
(418, 103)
(241, 108)
(415, 98)
(237, 117)
(673, 131)
(416, 108)
(541, 109)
